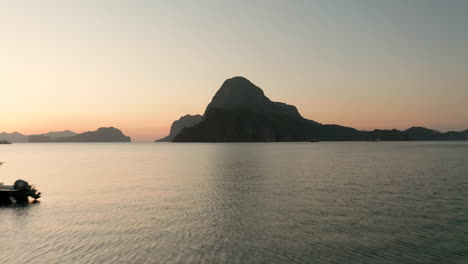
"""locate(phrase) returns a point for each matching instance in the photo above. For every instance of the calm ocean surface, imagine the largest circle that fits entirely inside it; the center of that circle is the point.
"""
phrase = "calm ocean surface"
(238, 203)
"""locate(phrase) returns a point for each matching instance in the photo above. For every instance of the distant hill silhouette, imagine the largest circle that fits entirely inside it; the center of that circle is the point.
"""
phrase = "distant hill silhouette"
(240, 112)
(39, 138)
(415, 134)
(181, 123)
(51, 136)
(103, 134)
(60, 134)
(13, 137)
(47, 137)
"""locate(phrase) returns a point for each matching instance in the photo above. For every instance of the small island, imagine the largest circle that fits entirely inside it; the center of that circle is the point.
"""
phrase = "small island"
(103, 134)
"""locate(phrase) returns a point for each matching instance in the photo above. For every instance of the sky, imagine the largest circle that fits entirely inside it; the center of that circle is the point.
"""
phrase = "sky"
(139, 65)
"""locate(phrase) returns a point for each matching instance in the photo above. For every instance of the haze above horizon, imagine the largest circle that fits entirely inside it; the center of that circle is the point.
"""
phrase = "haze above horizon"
(139, 65)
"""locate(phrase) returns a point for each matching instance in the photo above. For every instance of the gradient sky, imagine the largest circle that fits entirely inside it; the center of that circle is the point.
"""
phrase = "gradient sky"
(139, 65)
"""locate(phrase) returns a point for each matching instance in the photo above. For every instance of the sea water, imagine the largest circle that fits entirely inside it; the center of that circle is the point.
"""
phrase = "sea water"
(327, 202)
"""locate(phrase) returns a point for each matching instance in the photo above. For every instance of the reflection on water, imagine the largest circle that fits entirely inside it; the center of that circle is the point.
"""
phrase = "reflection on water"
(239, 203)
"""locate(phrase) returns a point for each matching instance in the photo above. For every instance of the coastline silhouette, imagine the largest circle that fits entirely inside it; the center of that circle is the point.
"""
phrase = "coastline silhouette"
(241, 112)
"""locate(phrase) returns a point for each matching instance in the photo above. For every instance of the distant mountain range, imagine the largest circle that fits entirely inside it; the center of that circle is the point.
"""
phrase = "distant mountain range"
(103, 134)
(240, 112)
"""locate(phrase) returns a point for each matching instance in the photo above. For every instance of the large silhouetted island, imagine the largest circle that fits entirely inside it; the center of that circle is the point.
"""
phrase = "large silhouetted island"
(240, 112)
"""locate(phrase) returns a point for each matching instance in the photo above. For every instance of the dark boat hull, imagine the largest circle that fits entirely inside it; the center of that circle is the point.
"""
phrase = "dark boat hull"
(12, 196)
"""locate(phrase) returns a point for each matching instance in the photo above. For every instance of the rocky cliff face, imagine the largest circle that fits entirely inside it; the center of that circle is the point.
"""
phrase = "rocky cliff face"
(178, 125)
(243, 125)
(240, 93)
(240, 112)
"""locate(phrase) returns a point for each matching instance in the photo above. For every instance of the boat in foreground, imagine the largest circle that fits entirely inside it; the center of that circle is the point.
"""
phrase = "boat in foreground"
(18, 193)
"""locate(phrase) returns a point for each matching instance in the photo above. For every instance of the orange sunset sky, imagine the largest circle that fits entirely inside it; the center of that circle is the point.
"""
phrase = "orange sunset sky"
(139, 65)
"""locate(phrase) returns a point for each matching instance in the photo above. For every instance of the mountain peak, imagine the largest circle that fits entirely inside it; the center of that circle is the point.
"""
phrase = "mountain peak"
(241, 94)
(238, 93)
(239, 82)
